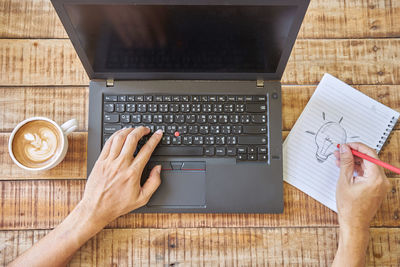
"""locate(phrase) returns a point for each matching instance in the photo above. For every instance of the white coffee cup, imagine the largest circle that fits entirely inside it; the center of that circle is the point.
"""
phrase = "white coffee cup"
(65, 129)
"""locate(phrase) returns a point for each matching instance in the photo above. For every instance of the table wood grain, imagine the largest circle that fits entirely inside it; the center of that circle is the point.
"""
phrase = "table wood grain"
(40, 75)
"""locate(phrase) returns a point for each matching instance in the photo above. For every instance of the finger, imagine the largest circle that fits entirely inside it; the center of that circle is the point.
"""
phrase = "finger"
(369, 167)
(145, 152)
(107, 146)
(132, 140)
(364, 149)
(359, 170)
(336, 154)
(346, 163)
(118, 142)
(152, 183)
(337, 162)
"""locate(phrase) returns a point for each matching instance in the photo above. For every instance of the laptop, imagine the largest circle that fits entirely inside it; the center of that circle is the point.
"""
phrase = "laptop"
(205, 72)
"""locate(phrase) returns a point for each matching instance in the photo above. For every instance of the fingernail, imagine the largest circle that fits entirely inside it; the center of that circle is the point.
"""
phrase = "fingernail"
(158, 168)
(159, 131)
(343, 148)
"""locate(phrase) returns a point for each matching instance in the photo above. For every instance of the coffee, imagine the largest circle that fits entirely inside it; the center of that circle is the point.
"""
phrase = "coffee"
(37, 143)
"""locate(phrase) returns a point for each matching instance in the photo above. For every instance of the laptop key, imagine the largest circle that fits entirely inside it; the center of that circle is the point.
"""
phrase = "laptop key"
(147, 118)
(242, 150)
(256, 107)
(231, 151)
(130, 108)
(109, 107)
(178, 151)
(262, 150)
(120, 107)
(260, 98)
(141, 107)
(259, 129)
(252, 157)
(112, 128)
(166, 140)
(110, 98)
(258, 118)
(136, 118)
(111, 118)
(122, 98)
(241, 156)
(176, 140)
(209, 151)
(187, 140)
(126, 118)
(220, 151)
(262, 157)
(252, 140)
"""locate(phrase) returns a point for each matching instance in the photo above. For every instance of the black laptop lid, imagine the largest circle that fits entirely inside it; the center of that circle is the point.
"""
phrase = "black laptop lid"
(182, 39)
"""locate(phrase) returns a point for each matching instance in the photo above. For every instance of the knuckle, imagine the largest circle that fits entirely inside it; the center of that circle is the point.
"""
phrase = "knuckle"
(143, 201)
(133, 137)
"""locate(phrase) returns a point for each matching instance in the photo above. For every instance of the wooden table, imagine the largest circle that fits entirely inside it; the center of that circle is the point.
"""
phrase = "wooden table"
(40, 75)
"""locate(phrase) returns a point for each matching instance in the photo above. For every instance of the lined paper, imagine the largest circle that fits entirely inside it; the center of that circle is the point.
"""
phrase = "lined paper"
(336, 113)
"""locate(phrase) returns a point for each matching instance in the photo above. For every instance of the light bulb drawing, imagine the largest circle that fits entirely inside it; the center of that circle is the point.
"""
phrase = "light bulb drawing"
(328, 135)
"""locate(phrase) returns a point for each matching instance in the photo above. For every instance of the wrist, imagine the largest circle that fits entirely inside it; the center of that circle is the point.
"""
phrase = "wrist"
(89, 216)
(347, 231)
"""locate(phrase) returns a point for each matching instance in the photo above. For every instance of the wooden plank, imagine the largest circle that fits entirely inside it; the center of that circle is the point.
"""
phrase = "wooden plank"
(29, 19)
(44, 204)
(366, 61)
(63, 103)
(351, 19)
(295, 98)
(74, 164)
(72, 167)
(324, 19)
(57, 103)
(285, 246)
(40, 62)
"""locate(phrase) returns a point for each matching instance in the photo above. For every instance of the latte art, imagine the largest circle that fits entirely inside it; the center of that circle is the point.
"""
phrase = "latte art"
(36, 143)
(42, 145)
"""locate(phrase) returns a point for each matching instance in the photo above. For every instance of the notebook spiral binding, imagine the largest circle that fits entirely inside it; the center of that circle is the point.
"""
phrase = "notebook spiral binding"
(386, 134)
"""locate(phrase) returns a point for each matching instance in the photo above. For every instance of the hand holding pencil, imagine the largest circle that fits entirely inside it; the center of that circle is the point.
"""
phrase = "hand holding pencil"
(373, 160)
(361, 187)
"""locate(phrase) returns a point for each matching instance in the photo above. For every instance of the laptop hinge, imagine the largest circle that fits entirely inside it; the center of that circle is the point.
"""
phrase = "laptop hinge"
(110, 82)
(260, 83)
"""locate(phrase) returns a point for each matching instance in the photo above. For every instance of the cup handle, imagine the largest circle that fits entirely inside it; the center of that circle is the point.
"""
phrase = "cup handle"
(69, 126)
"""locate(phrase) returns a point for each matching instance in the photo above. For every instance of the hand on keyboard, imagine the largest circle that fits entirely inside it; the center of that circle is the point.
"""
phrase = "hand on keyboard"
(113, 187)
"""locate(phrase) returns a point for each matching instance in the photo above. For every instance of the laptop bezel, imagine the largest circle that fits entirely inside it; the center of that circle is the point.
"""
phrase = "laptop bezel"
(301, 4)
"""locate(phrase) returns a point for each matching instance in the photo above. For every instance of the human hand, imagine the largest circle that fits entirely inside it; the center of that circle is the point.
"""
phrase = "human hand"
(358, 197)
(113, 187)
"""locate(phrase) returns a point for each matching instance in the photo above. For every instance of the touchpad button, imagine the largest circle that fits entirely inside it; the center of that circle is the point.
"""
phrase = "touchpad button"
(180, 188)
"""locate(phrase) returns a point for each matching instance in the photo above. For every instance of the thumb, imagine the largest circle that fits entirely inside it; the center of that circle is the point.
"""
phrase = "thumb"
(346, 162)
(152, 183)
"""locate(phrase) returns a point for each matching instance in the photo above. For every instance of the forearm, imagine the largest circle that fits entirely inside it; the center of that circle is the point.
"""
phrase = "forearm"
(56, 248)
(352, 247)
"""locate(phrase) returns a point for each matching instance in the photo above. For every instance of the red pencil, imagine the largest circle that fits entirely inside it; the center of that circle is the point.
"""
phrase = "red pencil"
(373, 160)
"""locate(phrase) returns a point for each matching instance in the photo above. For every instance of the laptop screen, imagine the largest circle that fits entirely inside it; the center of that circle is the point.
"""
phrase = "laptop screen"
(182, 38)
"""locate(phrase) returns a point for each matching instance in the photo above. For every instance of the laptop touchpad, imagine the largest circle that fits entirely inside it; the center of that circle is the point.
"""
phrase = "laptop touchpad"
(182, 185)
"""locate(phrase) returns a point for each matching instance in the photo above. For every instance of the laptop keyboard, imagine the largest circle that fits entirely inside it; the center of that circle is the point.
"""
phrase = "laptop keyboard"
(194, 125)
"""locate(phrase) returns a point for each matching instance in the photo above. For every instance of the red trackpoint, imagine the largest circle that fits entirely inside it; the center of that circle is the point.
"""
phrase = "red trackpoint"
(176, 133)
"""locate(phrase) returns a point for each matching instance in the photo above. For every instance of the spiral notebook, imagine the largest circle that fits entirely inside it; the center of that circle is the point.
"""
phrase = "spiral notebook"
(336, 113)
